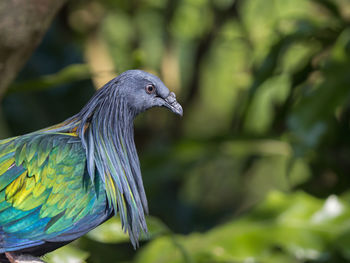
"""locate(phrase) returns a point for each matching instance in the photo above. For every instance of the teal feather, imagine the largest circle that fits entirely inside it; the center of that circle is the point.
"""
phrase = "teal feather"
(12, 214)
(19, 225)
(7, 177)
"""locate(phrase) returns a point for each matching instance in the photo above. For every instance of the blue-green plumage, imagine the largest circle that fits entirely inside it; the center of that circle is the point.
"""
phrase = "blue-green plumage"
(58, 183)
(51, 197)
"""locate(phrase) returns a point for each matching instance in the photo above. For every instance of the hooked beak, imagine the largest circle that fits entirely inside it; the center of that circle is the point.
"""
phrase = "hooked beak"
(172, 104)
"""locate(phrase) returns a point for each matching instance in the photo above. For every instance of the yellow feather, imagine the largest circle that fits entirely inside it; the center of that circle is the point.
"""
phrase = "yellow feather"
(62, 204)
(20, 196)
(30, 202)
(7, 150)
(5, 166)
(69, 134)
(77, 208)
(50, 172)
(7, 140)
(15, 186)
(38, 190)
(36, 178)
(49, 211)
(29, 183)
(54, 199)
(46, 175)
(23, 154)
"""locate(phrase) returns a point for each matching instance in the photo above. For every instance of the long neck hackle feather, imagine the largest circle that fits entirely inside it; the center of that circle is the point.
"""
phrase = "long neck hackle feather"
(105, 127)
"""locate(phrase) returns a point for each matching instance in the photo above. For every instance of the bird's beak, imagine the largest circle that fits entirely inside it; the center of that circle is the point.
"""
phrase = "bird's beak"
(172, 104)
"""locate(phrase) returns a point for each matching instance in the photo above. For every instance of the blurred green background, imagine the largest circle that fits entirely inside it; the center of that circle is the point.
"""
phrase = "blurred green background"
(257, 170)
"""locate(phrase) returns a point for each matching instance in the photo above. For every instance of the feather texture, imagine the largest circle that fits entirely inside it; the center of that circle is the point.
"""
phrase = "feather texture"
(107, 135)
(58, 183)
(36, 197)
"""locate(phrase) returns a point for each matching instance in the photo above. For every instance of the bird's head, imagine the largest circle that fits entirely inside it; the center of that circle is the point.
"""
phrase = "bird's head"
(142, 91)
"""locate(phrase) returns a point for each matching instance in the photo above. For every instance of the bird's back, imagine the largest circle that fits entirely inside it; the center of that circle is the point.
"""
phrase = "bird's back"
(46, 195)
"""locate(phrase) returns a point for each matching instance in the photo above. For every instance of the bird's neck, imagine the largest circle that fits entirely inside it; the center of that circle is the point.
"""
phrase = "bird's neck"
(107, 135)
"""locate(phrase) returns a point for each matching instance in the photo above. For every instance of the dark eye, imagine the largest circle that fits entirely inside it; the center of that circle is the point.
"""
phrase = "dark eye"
(150, 88)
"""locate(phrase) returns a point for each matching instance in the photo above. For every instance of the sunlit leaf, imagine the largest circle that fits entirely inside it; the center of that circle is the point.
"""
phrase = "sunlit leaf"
(67, 254)
(301, 225)
(109, 232)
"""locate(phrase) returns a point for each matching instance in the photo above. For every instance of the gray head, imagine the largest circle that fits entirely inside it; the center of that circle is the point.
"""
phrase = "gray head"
(142, 91)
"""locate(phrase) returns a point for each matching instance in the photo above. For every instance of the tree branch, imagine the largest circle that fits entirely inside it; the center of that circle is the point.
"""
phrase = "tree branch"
(22, 26)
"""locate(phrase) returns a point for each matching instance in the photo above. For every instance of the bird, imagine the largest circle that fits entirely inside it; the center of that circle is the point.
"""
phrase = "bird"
(58, 183)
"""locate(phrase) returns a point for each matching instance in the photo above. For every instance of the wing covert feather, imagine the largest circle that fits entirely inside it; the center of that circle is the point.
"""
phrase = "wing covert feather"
(44, 189)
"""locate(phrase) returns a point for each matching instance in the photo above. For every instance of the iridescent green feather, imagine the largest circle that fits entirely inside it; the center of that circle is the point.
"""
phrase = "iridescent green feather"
(43, 173)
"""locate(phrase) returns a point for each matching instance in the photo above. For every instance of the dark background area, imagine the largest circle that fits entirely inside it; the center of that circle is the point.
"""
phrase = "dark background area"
(257, 170)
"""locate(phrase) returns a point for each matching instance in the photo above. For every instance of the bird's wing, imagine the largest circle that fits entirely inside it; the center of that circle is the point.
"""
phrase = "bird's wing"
(45, 192)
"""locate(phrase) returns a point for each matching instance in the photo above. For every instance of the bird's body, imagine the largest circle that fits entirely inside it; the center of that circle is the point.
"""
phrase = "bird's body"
(48, 196)
(59, 183)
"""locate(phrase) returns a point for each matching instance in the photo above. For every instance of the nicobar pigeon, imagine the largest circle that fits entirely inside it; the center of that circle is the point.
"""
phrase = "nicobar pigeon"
(59, 183)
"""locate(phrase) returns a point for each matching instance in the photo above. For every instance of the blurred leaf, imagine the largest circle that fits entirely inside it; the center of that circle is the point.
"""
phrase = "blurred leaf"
(67, 254)
(269, 95)
(298, 55)
(71, 73)
(155, 228)
(151, 51)
(311, 116)
(111, 231)
(330, 5)
(221, 83)
(187, 23)
(214, 184)
(263, 147)
(261, 179)
(300, 225)
(261, 17)
(119, 41)
(160, 250)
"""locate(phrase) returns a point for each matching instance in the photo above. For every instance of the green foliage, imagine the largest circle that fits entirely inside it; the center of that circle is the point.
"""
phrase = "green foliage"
(257, 170)
(69, 74)
(111, 231)
(293, 227)
(296, 227)
(67, 254)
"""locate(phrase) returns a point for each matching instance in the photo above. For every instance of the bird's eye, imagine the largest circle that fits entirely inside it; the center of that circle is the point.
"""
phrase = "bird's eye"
(150, 88)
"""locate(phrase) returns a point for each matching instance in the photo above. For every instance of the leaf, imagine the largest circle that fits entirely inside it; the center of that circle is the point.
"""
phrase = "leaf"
(111, 231)
(299, 225)
(71, 73)
(155, 228)
(271, 93)
(67, 254)
(311, 117)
